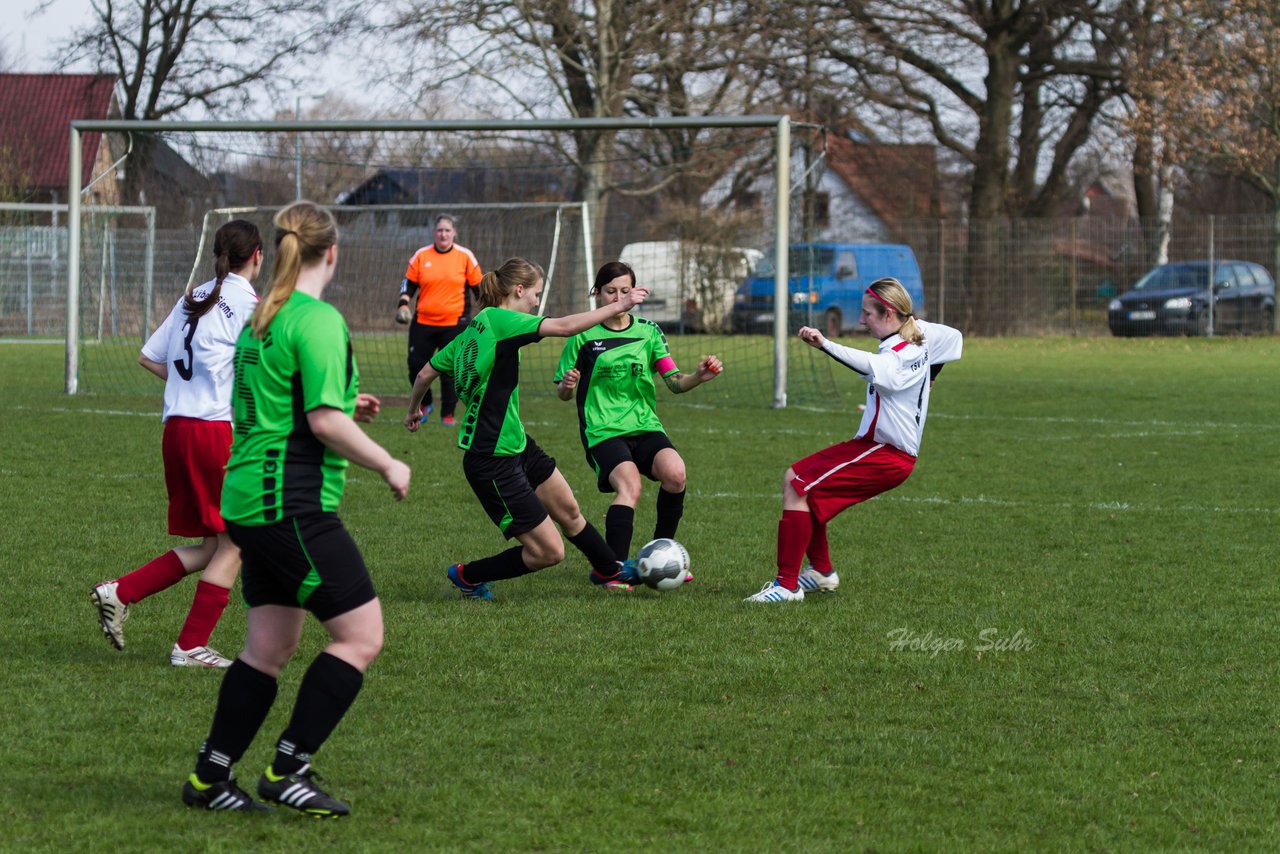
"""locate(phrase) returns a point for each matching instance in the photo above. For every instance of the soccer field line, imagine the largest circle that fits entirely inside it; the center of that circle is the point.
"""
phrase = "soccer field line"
(1175, 428)
(1051, 419)
(961, 501)
(993, 501)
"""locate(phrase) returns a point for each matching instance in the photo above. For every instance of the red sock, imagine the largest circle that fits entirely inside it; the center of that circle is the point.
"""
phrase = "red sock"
(818, 552)
(795, 529)
(203, 616)
(160, 574)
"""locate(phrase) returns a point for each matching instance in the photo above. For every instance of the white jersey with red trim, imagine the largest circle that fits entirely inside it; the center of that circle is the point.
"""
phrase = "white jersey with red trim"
(898, 380)
(199, 353)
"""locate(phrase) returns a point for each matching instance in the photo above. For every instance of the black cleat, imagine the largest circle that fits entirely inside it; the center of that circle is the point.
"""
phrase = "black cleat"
(299, 790)
(219, 796)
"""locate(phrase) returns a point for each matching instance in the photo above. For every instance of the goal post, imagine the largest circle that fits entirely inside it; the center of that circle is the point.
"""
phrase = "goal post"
(780, 125)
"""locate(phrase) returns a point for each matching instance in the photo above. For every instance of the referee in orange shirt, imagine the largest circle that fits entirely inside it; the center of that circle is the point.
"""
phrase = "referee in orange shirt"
(439, 283)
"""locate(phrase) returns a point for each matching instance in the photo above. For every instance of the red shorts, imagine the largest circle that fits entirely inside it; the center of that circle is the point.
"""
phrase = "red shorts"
(195, 461)
(849, 473)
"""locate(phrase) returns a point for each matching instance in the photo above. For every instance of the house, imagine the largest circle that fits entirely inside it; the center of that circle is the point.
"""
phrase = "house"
(862, 192)
(36, 111)
(484, 182)
(870, 187)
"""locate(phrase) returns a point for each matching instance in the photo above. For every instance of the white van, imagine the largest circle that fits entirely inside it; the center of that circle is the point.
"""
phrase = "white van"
(691, 285)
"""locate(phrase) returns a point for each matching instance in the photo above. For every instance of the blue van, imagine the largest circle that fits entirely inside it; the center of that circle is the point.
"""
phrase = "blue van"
(827, 281)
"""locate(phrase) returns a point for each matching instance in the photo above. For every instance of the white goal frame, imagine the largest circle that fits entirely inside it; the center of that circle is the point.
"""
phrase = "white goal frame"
(53, 209)
(782, 201)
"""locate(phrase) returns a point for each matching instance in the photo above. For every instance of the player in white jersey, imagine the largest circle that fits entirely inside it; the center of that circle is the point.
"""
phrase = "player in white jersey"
(882, 454)
(192, 352)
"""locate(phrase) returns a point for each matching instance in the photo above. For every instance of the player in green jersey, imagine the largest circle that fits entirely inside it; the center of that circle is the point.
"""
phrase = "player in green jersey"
(610, 368)
(294, 400)
(517, 483)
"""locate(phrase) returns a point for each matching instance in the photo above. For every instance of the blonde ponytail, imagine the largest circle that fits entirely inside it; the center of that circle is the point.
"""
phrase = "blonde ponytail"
(497, 285)
(890, 294)
(304, 233)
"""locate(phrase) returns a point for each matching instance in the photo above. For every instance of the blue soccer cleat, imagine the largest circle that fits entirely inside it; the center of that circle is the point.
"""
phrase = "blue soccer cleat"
(469, 591)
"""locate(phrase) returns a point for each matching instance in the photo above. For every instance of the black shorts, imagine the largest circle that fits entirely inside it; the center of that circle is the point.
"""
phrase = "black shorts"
(302, 562)
(640, 448)
(505, 486)
(426, 341)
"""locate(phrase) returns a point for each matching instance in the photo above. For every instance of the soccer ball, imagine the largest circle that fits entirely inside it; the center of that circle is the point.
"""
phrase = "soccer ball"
(663, 564)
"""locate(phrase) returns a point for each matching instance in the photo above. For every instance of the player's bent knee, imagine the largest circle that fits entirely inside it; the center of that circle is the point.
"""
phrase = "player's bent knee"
(544, 556)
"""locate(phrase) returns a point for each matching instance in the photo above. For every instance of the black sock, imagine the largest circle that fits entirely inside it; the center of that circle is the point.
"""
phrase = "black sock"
(670, 509)
(244, 700)
(508, 564)
(599, 555)
(328, 689)
(618, 522)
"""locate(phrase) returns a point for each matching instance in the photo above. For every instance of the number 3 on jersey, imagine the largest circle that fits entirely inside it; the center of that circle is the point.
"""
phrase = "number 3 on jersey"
(188, 369)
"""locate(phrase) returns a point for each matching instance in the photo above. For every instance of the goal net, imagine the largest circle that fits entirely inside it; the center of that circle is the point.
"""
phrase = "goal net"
(693, 234)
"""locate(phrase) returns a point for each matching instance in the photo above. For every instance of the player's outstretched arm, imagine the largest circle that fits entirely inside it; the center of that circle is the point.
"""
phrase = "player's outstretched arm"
(343, 436)
(812, 337)
(426, 376)
(708, 369)
(572, 324)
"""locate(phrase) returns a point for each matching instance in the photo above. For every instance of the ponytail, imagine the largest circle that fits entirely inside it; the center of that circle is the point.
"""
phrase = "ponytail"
(233, 248)
(890, 294)
(497, 285)
(304, 233)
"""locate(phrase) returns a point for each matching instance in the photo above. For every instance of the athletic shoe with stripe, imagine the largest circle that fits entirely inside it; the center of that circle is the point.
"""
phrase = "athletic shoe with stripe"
(617, 581)
(627, 571)
(299, 790)
(775, 592)
(199, 656)
(812, 581)
(469, 591)
(426, 413)
(225, 795)
(111, 611)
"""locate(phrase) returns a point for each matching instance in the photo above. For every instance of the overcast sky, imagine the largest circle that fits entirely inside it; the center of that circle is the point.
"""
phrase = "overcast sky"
(29, 39)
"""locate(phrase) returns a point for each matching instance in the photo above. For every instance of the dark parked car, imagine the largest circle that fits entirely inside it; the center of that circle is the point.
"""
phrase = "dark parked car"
(1173, 299)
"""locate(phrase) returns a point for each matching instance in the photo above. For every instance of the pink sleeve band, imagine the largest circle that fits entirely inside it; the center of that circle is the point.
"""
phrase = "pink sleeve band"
(666, 365)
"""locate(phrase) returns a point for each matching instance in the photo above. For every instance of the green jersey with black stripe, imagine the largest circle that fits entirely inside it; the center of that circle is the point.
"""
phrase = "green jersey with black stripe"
(616, 393)
(484, 361)
(278, 467)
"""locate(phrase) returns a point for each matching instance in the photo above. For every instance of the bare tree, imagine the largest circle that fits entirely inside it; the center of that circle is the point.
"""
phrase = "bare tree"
(1012, 87)
(173, 57)
(1204, 90)
(605, 59)
(534, 58)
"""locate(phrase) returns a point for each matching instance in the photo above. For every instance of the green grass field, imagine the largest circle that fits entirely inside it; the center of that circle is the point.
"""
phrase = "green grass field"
(1110, 503)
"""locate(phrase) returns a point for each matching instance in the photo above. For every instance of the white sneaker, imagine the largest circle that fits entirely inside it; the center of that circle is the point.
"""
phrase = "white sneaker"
(200, 656)
(812, 581)
(775, 592)
(111, 611)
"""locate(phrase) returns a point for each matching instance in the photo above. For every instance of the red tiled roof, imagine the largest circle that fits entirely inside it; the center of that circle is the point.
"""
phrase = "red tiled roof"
(36, 111)
(898, 182)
